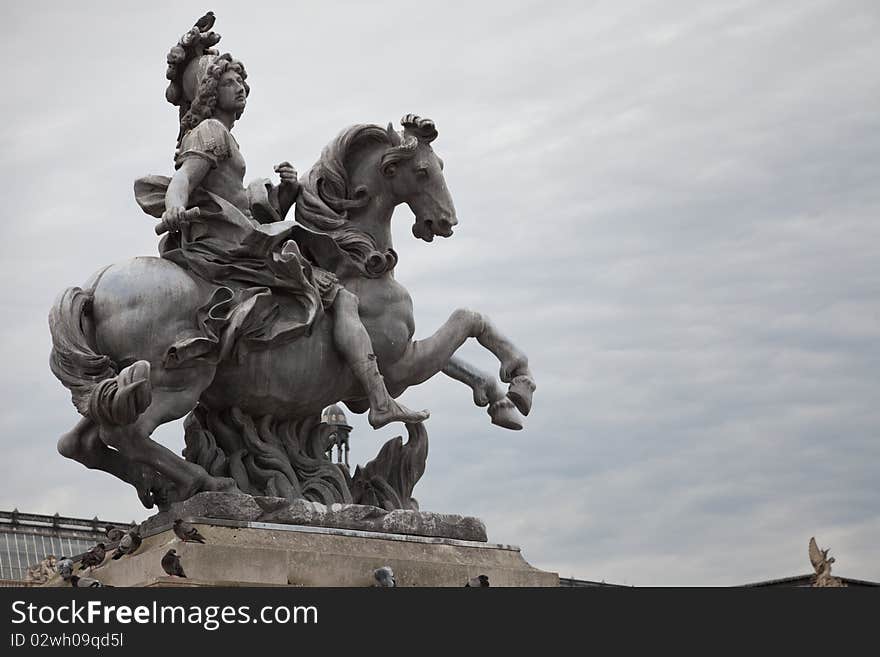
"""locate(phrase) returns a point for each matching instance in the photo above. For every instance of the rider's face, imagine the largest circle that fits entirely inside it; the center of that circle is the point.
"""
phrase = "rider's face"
(231, 95)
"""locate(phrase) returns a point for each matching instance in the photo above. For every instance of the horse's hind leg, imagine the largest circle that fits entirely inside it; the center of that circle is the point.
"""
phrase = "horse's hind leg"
(144, 312)
(83, 443)
(174, 394)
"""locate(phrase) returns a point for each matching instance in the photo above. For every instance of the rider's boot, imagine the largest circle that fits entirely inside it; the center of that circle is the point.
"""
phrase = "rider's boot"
(383, 408)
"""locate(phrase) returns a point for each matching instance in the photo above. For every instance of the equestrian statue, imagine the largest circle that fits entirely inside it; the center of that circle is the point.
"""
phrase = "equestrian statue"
(250, 324)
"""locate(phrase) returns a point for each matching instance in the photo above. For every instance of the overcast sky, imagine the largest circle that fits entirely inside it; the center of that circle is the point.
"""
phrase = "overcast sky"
(672, 207)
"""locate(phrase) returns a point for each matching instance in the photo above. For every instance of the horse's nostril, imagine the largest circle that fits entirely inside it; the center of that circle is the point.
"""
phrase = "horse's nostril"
(445, 225)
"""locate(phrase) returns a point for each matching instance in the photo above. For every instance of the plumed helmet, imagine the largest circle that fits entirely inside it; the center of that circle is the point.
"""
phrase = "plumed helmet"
(193, 73)
(187, 62)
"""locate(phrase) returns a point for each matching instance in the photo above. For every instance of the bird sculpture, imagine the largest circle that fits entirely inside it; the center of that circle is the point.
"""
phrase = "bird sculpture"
(128, 544)
(822, 565)
(480, 581)
(171, 564)
(94, 557)
(186, 532)
(384, 577)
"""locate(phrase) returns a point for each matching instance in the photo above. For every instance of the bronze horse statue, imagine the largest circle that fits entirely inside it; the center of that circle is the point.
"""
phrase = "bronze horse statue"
(114, 339)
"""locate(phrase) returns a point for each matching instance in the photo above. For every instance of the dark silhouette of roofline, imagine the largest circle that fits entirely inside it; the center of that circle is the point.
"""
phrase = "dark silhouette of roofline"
(16, 518)
(805, 580)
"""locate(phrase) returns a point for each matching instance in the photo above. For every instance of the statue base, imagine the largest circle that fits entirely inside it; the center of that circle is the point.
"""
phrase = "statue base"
(279, 510)
(248, 553)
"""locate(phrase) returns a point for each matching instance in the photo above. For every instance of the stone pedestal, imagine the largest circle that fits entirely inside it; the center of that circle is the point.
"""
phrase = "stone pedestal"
(239, 553)
(277, 510)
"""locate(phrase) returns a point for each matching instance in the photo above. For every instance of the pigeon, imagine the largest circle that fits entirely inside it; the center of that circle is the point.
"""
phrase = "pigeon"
(64, 568)
(114, 534)
(206, 22)
(85, 582)
(171, 564)
(478, 581)
(187, 533)
(128, 544)
(94, 557)
(384, 576)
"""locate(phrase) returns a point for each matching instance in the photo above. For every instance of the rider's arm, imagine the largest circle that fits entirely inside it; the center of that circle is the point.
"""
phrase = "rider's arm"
(288, 190)
(200, 150)
(190, 174)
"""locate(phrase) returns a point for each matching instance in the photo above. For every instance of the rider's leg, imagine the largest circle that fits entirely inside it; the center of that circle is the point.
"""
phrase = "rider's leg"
(353, 341)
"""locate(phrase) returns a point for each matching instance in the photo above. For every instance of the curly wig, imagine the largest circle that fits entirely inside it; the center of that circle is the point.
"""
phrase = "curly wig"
(205, 101)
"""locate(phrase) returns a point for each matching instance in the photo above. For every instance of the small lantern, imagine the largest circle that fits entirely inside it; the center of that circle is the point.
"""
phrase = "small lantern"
(334, 417)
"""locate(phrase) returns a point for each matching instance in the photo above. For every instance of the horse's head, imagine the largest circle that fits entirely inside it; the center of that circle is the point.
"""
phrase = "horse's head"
(415, 176)
(351, 192)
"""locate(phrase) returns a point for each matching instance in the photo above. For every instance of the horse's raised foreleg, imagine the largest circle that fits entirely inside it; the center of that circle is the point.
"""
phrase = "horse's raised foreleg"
(424, 358)
(487, 392)
(83, 443)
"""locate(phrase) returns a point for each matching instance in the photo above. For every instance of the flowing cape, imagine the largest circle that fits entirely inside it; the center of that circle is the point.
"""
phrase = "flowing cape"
(264, 290)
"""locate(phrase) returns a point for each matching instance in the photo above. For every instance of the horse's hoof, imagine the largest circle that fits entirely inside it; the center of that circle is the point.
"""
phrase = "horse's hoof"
(210, 483)
(146, 498)
(221, 484)
(154, 490)
(520, 393)
(504, 414)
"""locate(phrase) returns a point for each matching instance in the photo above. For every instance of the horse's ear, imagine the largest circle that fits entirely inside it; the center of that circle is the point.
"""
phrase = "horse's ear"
(393, 137)
(422, 129)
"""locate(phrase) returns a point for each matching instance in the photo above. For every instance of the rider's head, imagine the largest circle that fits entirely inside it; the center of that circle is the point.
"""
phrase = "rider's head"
(202, 87)
(196, 79)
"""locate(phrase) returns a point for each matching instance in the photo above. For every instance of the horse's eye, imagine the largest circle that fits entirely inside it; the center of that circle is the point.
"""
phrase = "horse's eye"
(421, 173)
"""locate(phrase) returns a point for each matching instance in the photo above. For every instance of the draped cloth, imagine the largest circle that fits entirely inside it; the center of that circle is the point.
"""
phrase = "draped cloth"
(264, 291)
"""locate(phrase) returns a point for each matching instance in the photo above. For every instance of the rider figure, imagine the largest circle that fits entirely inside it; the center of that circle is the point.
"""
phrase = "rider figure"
(225, 244)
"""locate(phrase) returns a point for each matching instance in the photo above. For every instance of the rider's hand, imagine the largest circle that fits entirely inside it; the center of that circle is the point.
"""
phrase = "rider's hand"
(288, 175)
(174, 218)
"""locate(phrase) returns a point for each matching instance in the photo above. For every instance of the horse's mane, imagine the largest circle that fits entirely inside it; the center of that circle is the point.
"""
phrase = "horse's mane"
(327, 195)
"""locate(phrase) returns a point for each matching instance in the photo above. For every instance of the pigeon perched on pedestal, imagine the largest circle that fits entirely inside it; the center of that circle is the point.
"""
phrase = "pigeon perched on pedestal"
(186, 532)
(85, 582)
(94, 557)
(480, 581)
(171, 564)
(114, 534)
(128, 544)
(64, 568)
(384, 577)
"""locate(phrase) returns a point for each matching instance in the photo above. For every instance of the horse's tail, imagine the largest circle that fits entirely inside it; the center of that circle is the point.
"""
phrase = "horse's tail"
(99, 390)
